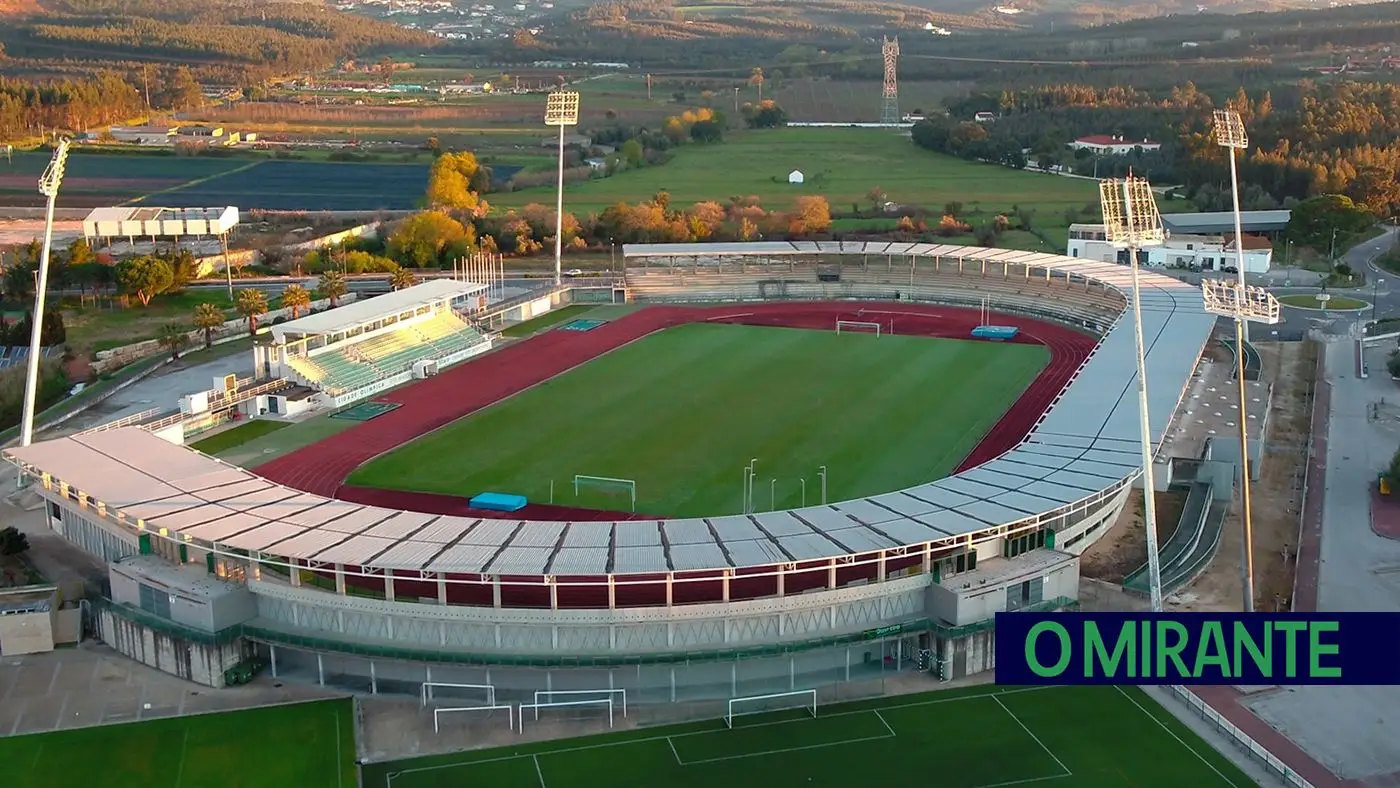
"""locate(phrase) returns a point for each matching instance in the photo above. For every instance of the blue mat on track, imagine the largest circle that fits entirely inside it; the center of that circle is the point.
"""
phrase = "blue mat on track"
(997, 333)
(499, 502)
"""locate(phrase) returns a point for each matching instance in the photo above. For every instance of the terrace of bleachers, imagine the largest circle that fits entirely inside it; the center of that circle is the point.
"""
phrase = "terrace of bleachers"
(355, 364)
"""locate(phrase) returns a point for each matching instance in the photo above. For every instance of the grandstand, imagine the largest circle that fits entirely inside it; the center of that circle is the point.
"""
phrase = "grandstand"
(14, 356)
(358, 350)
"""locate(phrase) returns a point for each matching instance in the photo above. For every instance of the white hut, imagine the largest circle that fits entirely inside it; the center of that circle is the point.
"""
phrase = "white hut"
(796, 176)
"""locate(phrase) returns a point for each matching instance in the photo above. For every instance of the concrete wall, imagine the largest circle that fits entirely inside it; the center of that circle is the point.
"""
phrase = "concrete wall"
(968, 656)
(26, 633)
(954, 605)
(188, 660)
(209, 613)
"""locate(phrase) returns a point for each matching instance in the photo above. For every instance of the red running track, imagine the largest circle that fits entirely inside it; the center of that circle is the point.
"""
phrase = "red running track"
(321, 468)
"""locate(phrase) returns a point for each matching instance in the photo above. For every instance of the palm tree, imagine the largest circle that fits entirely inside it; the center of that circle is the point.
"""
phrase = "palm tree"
(333, 286)
(296, 298)
(174, 337)
(251, 304)
(208, 317)
(401, 278)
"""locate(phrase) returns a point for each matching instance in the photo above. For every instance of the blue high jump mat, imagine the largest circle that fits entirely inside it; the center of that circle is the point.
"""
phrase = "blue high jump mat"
(995, 333)
(498, 502)
(582, 324)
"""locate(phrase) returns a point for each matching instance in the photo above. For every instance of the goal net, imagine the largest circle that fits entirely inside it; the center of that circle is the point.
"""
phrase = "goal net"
(857, 326)
(804, 700)
(569, 710)
(621, 492)
(487, 710)
(457, 694)
(619, 697)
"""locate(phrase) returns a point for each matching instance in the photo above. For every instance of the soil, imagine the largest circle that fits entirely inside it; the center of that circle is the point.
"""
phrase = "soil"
(1123, 549)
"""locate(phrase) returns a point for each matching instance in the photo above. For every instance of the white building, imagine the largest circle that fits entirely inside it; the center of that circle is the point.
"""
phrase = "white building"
(143, 135)
(796, 176)
(1114, 144)
(1181, 251)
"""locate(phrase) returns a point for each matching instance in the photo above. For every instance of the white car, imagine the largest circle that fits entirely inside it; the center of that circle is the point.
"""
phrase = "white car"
(574, 272)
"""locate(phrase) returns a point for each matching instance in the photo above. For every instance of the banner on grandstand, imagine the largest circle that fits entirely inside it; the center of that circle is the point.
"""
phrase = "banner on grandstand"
(1197, 648)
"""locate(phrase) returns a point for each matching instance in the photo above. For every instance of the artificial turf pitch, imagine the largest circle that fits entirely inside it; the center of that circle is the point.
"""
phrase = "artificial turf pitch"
(683, 411)
(305, 745)
(1065, 737)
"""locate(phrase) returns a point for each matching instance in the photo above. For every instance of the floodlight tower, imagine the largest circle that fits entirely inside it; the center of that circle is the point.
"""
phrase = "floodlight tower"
(1243, 303)
(48, 186)
(560, 110)
(1131, 222)
(1229, 133)
(889, 111)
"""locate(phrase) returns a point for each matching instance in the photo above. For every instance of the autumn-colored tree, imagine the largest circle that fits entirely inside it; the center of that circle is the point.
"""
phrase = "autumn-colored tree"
(810, 214)
(402, 278)
(456, 181)
(430, 239)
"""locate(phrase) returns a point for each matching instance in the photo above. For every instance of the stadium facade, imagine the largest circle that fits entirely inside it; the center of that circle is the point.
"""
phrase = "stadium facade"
(213, 566)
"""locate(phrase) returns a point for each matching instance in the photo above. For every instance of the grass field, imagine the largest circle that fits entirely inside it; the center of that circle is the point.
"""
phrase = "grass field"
(840, 164)
(682, 412)
(1309, 301)
(1066, 737)
(237, 436)
(309, 745)
(552, 318)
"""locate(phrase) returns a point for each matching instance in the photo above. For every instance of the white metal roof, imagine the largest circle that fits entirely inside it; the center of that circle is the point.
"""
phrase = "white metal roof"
(1086, 444)
(359, 313)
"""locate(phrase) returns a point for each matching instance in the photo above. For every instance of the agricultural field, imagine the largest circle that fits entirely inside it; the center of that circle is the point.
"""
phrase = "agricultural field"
(93, 180)
(308, 186)
(839, 163)
(679, 412)
(828, 101)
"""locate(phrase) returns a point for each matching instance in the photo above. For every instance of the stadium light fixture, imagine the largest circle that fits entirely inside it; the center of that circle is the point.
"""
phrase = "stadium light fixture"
(48, 186)
(1131, 222)
(561, 109)
(1228, 131)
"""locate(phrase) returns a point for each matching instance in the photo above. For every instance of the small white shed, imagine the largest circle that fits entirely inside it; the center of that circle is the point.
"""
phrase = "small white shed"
(796, 176)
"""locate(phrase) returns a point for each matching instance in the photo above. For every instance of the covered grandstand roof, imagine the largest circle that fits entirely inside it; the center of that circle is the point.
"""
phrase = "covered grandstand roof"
(1085, 446)
(352, 316)
(1221, 222)
(127, 221)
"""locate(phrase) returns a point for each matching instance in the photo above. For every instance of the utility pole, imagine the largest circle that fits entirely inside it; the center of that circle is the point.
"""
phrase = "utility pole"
(648, 87)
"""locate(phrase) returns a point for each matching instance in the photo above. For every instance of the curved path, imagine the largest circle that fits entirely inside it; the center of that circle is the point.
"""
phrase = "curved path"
(321, 468)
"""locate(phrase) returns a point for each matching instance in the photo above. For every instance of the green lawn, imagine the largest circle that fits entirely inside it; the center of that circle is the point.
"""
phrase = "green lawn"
(841, 164)
(237, 436)
(681, 412)
(547, 320)
(309, 745)
(1309, 301)
(1067, 737)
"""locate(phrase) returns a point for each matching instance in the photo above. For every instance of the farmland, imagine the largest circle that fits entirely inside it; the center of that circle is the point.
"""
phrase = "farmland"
(841, 164)
(94, 180)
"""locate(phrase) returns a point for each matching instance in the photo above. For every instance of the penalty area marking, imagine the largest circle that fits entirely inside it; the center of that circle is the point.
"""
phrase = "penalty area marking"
(1179, 740)
(1035, 738)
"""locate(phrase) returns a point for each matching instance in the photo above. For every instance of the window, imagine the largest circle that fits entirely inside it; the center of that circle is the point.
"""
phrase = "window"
(1025, 594)
(155, 601)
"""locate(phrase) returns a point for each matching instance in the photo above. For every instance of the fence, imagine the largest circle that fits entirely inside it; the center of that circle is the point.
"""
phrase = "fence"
(1240, 738)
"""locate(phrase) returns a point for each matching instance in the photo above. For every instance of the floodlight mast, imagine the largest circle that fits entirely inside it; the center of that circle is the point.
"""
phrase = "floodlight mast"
(48, 186)
(1230, 134)
(561, 109)
(1131, 222)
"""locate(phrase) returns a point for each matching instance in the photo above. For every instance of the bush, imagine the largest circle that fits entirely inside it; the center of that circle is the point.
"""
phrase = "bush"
(12, 542)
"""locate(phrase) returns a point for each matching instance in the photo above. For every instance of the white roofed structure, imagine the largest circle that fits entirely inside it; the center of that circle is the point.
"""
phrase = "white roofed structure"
(373, 310)
(131, 222)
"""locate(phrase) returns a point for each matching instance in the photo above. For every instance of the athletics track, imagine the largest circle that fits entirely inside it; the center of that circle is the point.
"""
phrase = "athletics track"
(321, 468)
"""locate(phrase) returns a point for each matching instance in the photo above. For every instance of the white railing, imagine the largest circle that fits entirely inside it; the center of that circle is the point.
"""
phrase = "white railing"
(125, 421)
(1239, 737)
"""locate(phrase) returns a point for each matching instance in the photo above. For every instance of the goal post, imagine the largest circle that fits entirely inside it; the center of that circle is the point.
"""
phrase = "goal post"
(767, 704)
(486, 691)
(618, 695)
(489, 709)
(858, 326)
(600, 703)
(626, 487)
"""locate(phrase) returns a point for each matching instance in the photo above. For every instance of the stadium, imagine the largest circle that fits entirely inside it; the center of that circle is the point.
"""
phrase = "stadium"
(481, 532)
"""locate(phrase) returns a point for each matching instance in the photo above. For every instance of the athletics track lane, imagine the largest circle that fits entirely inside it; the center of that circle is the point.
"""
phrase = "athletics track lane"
(321, 468)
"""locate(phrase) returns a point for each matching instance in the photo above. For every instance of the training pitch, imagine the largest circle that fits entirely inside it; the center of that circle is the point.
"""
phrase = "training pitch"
(682, 412)
(305, 745)
(1063, 737)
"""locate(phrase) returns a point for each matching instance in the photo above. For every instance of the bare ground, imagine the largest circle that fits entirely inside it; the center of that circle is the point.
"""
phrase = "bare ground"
(1124, 547)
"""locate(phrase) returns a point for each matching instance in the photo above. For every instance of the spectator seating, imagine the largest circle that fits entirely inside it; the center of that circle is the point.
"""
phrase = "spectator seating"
(358, 364)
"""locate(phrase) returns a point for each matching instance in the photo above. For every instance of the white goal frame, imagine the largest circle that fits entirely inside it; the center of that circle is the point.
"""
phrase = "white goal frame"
(729, 713)
(850, 324)
(546, 696)
(427, 691)
(510, 713)
(520, 717)
(631, 485)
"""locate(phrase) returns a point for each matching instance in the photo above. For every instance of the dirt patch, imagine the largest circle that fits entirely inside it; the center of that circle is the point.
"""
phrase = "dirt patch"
(1276, 497)
(1124, 548)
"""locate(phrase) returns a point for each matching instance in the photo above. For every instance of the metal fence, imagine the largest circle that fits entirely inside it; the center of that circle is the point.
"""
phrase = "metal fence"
(1239, 738)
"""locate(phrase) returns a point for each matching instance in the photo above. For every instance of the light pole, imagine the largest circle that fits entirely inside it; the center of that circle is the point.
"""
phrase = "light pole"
(1375, 293)
(753, 471)
(772, 494)
(561, 109)
(1229, 134)
(822, 473)
(1243, 303)
(1131, 222)
(48, 186)
(804, 492)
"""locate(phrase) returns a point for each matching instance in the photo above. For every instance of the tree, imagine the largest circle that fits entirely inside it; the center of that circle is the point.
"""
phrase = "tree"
(765, 114)
(80, 253)
(402, 278)
(1317, 221)
(811, 214)
(208, 317)
(145, 277)
(877, 198)
(296, 298)
(174, 338)
(454, 182)
(333, 286)
(12, 541)
(251, 304)
(427, 239)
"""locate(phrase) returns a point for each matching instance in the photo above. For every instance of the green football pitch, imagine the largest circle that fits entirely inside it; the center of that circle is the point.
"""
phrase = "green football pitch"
(305, 745)
(1063, 737)
(680, 413)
